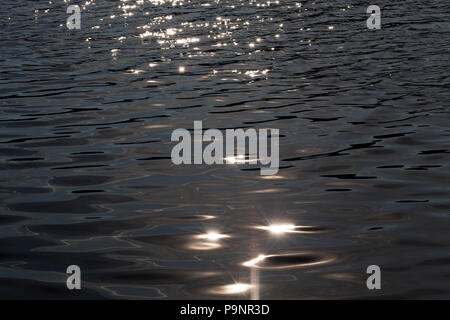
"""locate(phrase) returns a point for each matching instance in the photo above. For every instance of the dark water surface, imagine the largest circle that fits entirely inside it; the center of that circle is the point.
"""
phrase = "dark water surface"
(86, 176)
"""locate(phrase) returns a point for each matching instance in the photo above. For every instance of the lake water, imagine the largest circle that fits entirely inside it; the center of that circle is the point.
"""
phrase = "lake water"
(86, 177)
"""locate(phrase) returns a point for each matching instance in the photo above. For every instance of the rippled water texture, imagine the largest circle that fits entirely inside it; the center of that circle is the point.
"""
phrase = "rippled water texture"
(86, 176)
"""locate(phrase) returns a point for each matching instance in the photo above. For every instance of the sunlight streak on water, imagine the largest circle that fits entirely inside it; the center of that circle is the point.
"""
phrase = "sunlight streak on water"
(279, 229)
(232, 289)
(212, 236)
(210, 240)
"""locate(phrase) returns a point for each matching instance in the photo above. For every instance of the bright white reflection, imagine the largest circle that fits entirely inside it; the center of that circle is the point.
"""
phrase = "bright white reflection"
(256, 73)
(212, 236)
(208, 241)
(235, 288)
(200, 245)
(235, 159)
(181, 69)
(293, 260)
(274, 177)
(279, 229)
(255, 261)
(240, 159)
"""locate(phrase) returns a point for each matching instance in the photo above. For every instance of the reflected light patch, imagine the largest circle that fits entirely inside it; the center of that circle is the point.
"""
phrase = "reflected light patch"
(255, 261)
(171, 31)
(235, 288)
(205, 216)
(157, 126)
(204, 245)
(278, 229)
(289, 260)
(208, 241)
(134, 71)
(273, 190)
(274, 177)
(212, 236)
(235, 159)
(240, 159)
